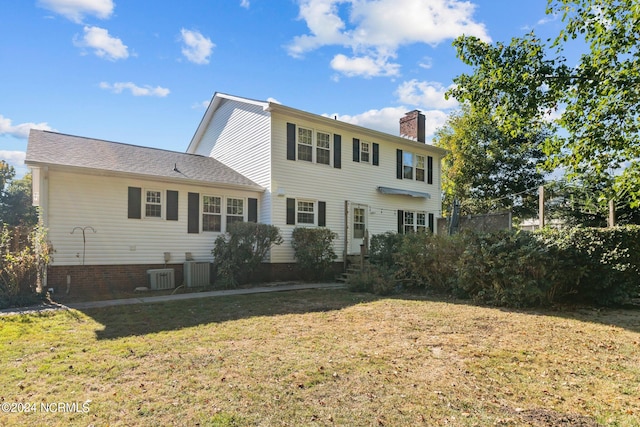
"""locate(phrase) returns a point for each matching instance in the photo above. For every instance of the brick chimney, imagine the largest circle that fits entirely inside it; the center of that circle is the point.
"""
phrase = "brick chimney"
(412, 126)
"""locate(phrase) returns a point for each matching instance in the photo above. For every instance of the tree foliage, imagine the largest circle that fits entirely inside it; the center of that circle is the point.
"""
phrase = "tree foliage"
(487, 168)
(521, 84)
(15, 198)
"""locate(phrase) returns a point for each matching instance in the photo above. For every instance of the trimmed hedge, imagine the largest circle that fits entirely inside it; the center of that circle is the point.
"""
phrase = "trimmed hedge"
(517, 268)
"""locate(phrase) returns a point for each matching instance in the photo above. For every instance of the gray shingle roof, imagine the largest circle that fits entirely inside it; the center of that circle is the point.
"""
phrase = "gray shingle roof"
(51, 148)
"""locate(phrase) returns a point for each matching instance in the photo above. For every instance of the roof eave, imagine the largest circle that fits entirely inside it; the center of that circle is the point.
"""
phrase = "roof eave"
(275, 107)
(177, 179)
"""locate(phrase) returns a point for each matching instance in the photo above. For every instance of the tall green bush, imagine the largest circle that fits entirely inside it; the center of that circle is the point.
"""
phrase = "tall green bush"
(313, 250)
(238, 252)
(506, 269)
(598, 265)
(428, 261)
(516, 269)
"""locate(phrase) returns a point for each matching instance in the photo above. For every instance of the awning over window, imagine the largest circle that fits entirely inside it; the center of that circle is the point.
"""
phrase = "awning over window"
(398, 191)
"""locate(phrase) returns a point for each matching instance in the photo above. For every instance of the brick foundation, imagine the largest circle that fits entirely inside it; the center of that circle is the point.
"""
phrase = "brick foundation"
(105, 280)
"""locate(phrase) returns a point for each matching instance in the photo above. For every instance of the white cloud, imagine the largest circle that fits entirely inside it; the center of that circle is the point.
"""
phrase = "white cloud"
(75, 10)
(426, 63)
(365, 66)
(245, 4)
(197, 48)
(384, 120)
(387, 119)
(425, 94)
(105, 45)
(13, 157)
(380, 27)
(203, 105)
(135, 89)
(21, 130)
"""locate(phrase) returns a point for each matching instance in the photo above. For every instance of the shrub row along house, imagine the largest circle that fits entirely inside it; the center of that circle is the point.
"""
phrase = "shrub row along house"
(115, 210)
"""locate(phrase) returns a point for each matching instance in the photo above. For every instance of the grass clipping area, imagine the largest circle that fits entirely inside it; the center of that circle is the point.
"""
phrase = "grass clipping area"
(320, 358)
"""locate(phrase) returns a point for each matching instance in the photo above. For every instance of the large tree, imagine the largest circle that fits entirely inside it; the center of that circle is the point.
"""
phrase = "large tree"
(523, 83)
(488, 169)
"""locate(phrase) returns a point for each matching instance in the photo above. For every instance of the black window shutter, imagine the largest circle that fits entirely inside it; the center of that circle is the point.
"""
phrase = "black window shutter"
(291, 141)
(431, 222)
(337, 151)
(172, 205)
(399, 164)
(356, 150)
(429, 170)
(376, 154)
(400, 222)
(253, 210)
(322, 214)
(291, 211)
(193, 214)
(135, 203)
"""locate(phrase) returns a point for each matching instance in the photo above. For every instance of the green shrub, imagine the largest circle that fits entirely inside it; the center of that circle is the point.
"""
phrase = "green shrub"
(383, 248)
(243, 248)
(23, 261)
(598, 265)
(375, 279)
(313, 249)
(428, 261)
(505, 268)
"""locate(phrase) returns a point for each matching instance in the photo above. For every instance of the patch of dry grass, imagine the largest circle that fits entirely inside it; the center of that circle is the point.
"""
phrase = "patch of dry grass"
(323, 358)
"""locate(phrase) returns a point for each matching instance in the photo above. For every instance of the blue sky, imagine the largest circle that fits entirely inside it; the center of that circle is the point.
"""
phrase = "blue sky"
(142, 72)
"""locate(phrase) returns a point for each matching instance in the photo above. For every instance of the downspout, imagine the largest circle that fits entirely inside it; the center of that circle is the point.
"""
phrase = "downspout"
(346, 234)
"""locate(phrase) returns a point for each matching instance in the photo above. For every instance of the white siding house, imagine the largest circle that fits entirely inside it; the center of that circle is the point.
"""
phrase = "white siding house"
(324, 172)
(115, 210)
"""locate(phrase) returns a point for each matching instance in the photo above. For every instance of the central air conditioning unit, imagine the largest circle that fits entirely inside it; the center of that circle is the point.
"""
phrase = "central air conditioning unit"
(161, 278)
(196, 274)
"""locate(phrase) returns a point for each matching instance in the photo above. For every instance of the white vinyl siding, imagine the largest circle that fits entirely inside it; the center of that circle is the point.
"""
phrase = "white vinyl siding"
(239, 136)
(101, 202)
(352, 183)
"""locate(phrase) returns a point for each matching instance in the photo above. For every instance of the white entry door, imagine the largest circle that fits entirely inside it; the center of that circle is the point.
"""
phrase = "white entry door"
(359, 227)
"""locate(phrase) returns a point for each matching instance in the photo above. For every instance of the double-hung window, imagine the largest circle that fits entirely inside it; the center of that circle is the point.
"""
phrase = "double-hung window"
(419, 168)
(364, 152)
(415, 222)
(421, 222)
(409, 222)
(407, 165)
(323, 148)
(153, 204)
(235, 210)
(305, 212)
(211, 213)
(305, 144)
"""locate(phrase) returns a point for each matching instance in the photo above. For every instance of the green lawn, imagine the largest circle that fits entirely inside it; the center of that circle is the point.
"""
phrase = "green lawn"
(320, 357)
